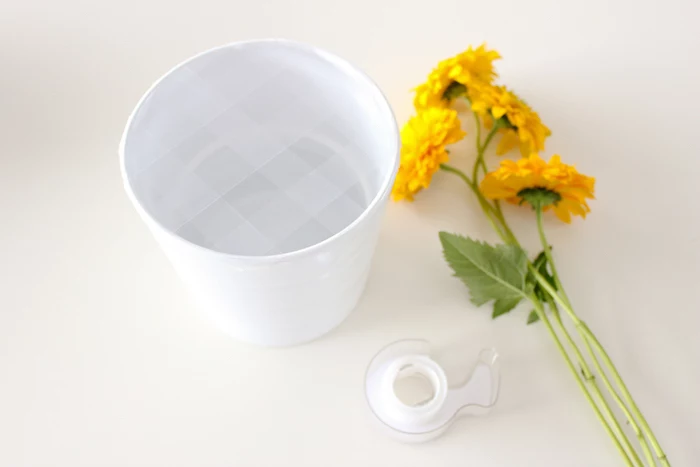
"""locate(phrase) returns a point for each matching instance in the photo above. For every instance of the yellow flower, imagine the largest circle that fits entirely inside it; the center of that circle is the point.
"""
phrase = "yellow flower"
(423, 141)
(524, 128)
(567, 188)
(471, 69)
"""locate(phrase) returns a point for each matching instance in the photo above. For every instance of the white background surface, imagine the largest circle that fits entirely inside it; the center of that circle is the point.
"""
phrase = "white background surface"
(104, 363)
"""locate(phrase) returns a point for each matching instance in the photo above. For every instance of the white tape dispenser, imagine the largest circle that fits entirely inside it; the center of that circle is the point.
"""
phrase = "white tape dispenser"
(409, 392)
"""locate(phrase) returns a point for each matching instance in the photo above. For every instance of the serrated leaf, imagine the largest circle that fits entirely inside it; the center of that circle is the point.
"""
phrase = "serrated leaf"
(533, 317)
(503, 306)
(491, 272)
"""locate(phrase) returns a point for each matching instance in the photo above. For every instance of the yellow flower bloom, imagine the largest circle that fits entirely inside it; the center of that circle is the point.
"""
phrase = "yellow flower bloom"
(525, 129)
(471, 68)
(423, 141)
(511, 178)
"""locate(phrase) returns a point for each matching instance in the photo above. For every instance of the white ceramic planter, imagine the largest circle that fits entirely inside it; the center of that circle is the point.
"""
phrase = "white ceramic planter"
(263, 168)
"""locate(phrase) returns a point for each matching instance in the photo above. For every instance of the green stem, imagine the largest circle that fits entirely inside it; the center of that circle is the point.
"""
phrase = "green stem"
(493, 212)
(478, 132)
(480, 152)
(548, 254)
(591, 380)
(501, 217)
(589, 338)
(496, 208)
(490, 136)
(594, 358)
(485, 206)
(459, 173)
(543, 316)
(479, 149)
(626, 394)
(616, 397)
(501, 226)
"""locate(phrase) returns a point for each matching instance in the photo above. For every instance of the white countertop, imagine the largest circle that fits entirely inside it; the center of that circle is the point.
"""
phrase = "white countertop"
(104, 363)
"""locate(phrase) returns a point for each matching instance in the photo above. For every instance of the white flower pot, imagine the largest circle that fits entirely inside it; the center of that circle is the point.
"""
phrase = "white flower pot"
(263, 168)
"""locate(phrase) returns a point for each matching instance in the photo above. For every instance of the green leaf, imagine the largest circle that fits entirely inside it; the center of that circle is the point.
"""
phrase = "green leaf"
(491, 272)
(503, 306)
(533, 317)
(541, 265)
(540, 260)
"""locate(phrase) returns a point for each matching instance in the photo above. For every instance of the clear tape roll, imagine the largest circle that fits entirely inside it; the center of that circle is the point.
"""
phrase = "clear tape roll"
(409, 392)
